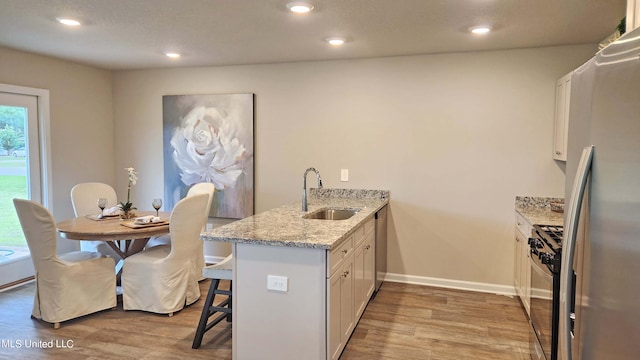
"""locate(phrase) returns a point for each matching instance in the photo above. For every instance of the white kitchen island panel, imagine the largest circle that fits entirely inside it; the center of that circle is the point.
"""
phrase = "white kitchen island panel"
(269, 324)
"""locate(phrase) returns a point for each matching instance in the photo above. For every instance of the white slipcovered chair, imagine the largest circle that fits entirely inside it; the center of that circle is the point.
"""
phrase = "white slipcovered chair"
(84, 198)
(68, 285)
(161, 279)
(199, 263)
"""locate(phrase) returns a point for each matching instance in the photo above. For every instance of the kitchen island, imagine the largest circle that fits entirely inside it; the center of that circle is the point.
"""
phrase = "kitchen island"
(300, 285)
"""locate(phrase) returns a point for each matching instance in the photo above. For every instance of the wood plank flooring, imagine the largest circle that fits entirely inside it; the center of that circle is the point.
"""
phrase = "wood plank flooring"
(420, 322)
(401, 322)
(111, 334)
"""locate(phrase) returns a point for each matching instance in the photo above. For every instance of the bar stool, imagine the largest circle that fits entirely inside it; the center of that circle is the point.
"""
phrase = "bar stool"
(220, 271)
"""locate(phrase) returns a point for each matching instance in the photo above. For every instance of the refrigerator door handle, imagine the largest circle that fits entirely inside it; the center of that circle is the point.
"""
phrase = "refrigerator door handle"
(568, 251)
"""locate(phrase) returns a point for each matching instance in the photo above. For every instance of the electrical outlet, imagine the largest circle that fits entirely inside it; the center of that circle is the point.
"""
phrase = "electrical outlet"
(344, 174)
(277, 283)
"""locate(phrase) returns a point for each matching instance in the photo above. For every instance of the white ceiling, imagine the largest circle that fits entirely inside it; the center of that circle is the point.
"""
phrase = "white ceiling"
(133, 34)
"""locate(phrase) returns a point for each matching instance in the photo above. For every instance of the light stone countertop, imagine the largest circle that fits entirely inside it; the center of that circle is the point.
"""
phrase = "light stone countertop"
(537, 211)
(284, 225)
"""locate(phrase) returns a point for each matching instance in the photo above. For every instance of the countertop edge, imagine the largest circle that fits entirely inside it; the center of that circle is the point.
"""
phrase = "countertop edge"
(540, 213)
(365, 214)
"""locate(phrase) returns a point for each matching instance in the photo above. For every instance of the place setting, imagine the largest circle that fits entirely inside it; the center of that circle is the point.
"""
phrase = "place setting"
(110, 213)
(147, 220)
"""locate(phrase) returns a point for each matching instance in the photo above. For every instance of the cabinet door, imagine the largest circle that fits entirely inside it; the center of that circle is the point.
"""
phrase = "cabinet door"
(359, 280)
(561, 121)
(517, 263)
(333, 311)
(524, 271)
(340, 308)
(346, 302)
(369, 267)
(365, 271)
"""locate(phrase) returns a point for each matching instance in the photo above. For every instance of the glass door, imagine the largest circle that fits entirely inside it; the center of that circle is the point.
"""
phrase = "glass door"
(20, 177)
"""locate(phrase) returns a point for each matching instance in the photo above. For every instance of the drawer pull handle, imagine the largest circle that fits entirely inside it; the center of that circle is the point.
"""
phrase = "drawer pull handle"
(367, 247)
(345, 274)
(345, 251)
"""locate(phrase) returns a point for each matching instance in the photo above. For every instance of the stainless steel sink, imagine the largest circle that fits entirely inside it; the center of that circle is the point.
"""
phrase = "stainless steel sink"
(332, 214)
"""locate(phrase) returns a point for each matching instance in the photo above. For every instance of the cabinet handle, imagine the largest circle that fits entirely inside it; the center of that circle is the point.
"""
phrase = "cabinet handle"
(517, 239)
(345, 251)
(345, 274)
(367, 247)
(519, 223)
(558, 152)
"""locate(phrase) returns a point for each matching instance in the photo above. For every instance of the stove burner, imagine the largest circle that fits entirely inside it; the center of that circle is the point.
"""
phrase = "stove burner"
(551, 234)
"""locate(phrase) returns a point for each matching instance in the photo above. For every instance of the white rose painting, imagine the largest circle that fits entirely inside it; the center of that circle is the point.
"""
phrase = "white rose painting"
(209, 138)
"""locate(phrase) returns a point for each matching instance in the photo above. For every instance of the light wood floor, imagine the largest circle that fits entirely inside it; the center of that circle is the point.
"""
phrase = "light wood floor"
(421, 322)
(401, 322)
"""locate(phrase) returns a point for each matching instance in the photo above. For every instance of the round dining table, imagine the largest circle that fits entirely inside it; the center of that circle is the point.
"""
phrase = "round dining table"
(124, 236)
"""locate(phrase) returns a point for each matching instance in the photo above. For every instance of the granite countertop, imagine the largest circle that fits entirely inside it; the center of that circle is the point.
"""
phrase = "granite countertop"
(537, 210)
(284, 225)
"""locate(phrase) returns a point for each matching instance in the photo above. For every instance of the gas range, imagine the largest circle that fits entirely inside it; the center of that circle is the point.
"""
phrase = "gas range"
(546, 254)
(551, 235)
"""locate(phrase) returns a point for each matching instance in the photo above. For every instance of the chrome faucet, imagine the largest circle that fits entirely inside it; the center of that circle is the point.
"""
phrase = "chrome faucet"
(304, 186)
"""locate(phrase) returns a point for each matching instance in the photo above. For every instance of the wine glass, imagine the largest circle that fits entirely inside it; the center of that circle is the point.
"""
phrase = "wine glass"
(157, 204)
(102, 203)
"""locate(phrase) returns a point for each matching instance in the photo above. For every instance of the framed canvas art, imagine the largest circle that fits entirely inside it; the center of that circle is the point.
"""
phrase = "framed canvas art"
(209, 138)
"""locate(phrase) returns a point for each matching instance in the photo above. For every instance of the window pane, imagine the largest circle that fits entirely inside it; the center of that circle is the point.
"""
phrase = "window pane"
(13, 180)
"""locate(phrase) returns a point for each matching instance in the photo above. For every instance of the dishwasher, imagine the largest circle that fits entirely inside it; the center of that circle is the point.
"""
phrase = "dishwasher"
(381, 246)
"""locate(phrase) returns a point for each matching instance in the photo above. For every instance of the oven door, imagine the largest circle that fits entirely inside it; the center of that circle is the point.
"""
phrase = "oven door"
(541, 308)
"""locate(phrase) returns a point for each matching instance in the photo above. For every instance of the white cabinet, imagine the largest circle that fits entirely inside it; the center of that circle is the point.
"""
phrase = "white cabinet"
(340, 308)
(561, 121)
(350, 285)
(340, 284)
(522, 266)
(364, 262)
(369, 268)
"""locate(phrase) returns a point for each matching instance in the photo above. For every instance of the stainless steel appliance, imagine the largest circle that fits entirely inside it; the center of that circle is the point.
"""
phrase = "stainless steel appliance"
(546, 246)
(381, 246)
(602, 227)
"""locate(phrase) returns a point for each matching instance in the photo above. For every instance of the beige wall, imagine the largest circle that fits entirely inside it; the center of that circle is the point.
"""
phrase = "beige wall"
(81, 121)
(454, 137)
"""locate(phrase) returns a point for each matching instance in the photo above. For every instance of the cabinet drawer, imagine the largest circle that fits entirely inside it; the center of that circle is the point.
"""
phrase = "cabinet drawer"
(336, 256)
(523, 225)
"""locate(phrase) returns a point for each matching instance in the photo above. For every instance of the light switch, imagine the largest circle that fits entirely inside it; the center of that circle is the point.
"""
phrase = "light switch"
(344, 174)
(277, 283)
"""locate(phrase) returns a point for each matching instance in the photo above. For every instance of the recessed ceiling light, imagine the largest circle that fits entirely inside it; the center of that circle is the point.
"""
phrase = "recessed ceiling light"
(68, 22)
(299, 7)
(171, 54)
(480, 30)
(335, 41)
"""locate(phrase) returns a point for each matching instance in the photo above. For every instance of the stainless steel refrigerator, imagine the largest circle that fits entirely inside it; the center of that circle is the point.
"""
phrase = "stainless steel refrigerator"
(600, 270)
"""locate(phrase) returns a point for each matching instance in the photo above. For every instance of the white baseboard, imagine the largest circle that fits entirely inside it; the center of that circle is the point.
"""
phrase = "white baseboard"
(451, 284)
(17, 285)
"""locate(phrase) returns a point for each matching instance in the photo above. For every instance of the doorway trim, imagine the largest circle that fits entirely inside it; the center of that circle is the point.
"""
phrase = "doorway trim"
(45, 136)
(23, 267)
